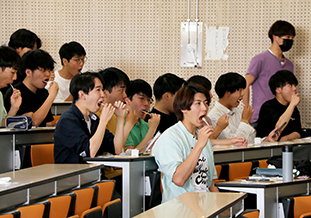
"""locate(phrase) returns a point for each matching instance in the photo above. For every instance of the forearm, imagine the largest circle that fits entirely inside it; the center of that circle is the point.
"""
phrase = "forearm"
(246, 95)
(186, 168)
(39, 115)
(119, 139)
(221, 141)
(127, 129)
(285, 116)
(216, 133)
(292, 136)
(12, 112)
(142, 145)
(97, 139)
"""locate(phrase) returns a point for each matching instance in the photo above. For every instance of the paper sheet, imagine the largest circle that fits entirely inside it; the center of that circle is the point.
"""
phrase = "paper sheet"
(216, 43)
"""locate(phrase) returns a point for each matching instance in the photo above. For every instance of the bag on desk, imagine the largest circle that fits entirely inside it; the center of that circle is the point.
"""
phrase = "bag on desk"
(18, 122)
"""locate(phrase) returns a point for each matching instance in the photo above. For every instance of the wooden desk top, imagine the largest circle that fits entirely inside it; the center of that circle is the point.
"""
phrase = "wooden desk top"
(194, 204)
(118, 158)
(260, 184)
(43, 174)
(230, 148)
(32, 130)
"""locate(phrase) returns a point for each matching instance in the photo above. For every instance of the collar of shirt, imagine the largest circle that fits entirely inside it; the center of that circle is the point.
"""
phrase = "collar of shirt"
(224, 110)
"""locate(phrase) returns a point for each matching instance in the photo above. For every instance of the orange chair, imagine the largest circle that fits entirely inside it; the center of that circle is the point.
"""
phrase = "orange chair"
(56, 118)
(84, 199)
(249, 213)
(12, 214)
(42, 154)
(302, 205)
(35, 211)
(263, 163)
(306, 215)
(239, 170)
(95, 212)
(218, 169)
(105, 190)
(62, 206)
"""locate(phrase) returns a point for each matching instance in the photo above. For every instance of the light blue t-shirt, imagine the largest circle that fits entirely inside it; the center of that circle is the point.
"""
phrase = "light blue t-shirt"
(170, 150)
(3, 112)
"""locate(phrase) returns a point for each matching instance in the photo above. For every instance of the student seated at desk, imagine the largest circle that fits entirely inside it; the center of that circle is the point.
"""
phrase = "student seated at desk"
(37, 101)
(80, 132)
(281, 109)
(184, 152)
(164, 90)
(223, 121)
(116, 82)
(230, 90)
(72, 56)
(138, 100)
(10, 62)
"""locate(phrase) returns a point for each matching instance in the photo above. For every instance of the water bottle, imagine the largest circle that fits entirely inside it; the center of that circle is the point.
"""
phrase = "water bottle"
(287, 163)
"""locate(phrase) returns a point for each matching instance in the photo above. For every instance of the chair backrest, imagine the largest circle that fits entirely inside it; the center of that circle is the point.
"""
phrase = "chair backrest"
(263, 163)
(302, 204)
(95, 212)
(41, 210)
(218, 169)
(306, 215)
(239, 170)
(62, 206)
(42, 154)
(12, 214)
(105, 190)
(84, 199)
(56, 118)
(250, 213)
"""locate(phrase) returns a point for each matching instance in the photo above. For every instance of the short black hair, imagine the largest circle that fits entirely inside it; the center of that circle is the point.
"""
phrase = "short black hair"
(24, 38)
(138, 86)
(201, 80)
(282, 78)
(185, 97)
(84, 82)
(35, 59)
(9, 58)
(281, 28)
(230, 82)
(112, 77)
(68, 50)
(167, 83)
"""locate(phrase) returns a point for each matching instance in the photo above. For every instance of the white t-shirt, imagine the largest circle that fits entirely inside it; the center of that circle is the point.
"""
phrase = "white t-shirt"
(199, 176)
(63, 87)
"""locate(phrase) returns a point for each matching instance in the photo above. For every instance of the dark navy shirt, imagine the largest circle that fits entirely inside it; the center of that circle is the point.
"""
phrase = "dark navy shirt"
(72, 137)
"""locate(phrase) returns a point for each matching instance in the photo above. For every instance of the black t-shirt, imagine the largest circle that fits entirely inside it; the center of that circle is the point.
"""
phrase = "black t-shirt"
(269, 114)
(72, 137)
(31, 102)
(166, 121)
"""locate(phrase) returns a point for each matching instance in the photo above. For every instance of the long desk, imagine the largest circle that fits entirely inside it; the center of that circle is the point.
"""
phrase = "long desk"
(230, 153)
(198, 204)
(60, 107)
(45, 180)
(133, 179)
(268, 193)
(10, 139)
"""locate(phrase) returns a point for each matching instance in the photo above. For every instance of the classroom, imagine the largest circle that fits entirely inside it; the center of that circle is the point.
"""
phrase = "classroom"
(143, 39)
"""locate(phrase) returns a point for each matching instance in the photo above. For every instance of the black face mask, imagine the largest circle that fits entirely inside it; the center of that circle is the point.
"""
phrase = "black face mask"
(287, 44)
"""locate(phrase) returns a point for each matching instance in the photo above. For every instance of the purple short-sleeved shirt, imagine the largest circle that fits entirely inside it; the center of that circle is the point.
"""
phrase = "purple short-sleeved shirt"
(262, 67)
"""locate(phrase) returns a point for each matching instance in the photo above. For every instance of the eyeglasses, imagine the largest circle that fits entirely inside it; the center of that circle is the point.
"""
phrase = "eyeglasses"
(80, 60)
(145, 98)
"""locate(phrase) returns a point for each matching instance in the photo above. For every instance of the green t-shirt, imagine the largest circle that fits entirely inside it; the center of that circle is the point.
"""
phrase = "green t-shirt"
(137, 133)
